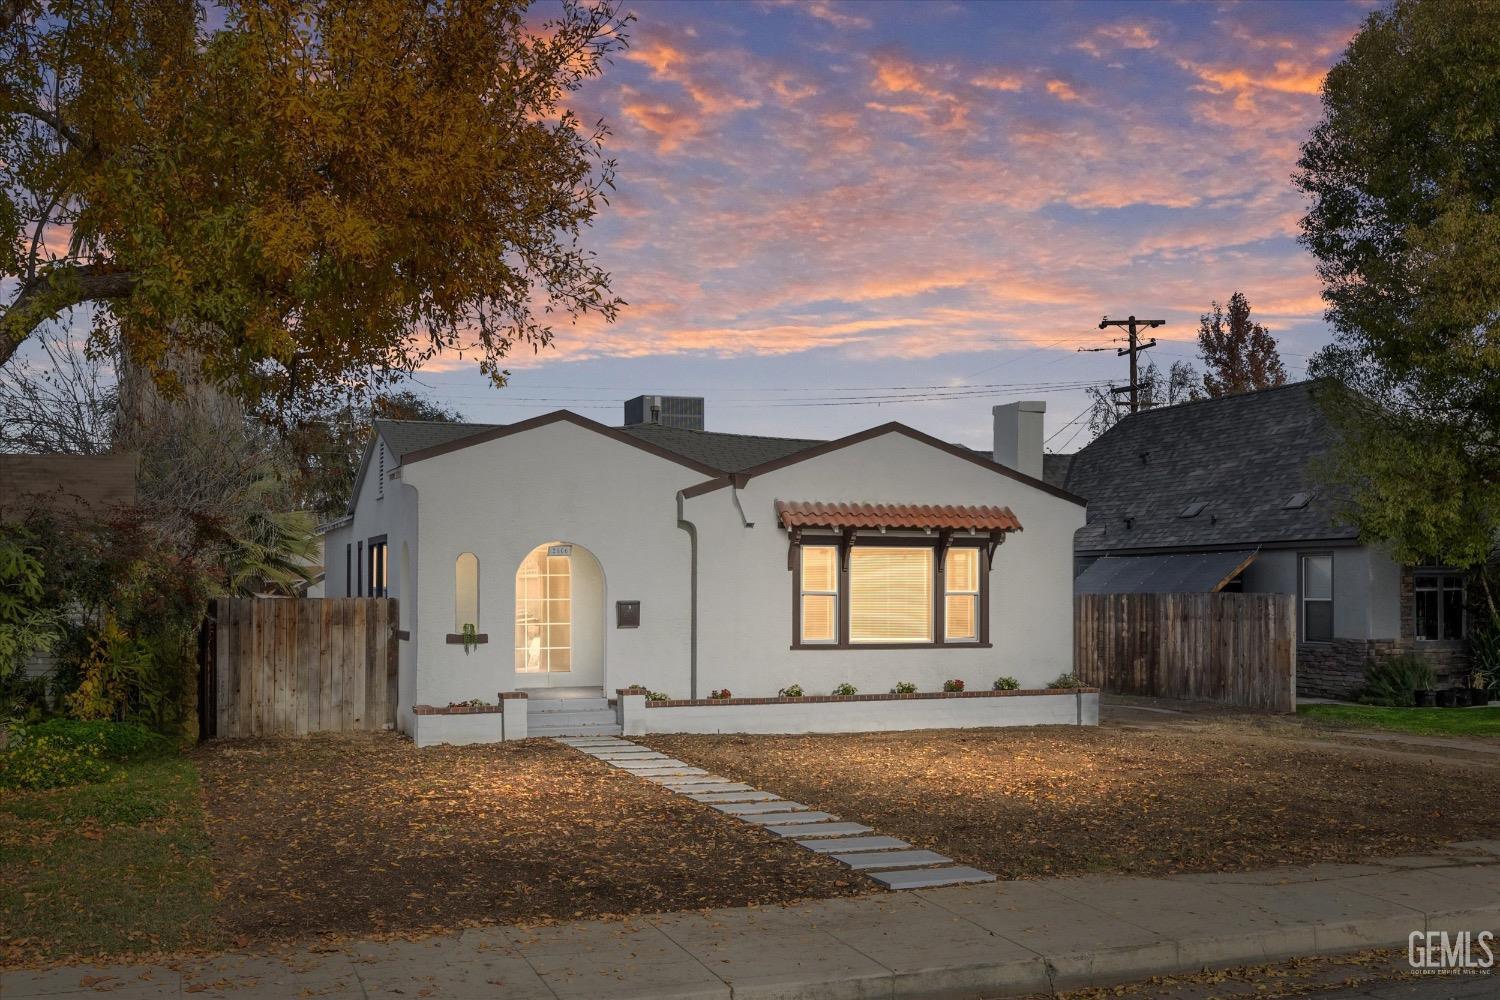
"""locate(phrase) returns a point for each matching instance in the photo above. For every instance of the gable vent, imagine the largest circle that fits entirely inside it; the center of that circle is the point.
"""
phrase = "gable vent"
(380, 474)
(1295, 502)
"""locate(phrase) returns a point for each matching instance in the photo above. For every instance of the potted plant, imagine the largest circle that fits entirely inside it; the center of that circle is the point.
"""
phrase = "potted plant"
(953, 685)
(845, 689)
(790, 691)
(904, 687)
(1006, 684)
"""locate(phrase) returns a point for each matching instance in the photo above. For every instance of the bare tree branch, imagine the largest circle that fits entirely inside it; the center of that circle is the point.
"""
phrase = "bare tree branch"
(57, 289)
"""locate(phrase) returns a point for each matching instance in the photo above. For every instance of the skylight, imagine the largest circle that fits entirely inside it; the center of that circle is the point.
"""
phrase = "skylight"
(1193, 509)
(1295, 502)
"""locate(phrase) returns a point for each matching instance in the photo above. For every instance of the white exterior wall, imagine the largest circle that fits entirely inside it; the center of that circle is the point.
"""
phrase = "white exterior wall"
(558, 482)
(745, 588)
(392, 513)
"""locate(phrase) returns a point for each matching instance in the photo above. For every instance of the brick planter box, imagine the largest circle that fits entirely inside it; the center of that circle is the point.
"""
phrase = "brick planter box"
(857, 713)
(460, 725)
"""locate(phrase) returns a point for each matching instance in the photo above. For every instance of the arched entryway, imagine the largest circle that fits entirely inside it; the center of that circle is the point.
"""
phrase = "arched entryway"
(559, 633)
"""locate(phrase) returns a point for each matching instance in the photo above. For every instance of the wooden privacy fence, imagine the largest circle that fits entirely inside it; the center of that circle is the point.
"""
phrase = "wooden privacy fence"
(291, 666)
(1236, 649)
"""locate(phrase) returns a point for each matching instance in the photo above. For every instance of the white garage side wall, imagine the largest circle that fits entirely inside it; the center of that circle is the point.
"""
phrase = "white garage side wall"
(554, 483)
(745, 588)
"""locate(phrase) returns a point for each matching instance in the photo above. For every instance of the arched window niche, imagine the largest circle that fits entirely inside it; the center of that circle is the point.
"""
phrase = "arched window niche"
(466, 591)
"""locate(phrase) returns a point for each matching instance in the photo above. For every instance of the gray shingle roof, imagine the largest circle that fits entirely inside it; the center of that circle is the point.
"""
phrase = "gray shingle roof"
(729, 452)
(1055, 469)
(726, 452)
(1243, 457)
(403, 437)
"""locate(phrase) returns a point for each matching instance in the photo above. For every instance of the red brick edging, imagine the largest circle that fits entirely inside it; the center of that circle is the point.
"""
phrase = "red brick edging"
(504, 696)
(820, 698)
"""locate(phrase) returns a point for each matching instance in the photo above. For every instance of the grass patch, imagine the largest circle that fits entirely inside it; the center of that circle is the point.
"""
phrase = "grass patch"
(113, 868)
(1421, 721)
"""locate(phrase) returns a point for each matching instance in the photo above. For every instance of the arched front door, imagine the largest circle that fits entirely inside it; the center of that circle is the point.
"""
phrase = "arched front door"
(559, 635)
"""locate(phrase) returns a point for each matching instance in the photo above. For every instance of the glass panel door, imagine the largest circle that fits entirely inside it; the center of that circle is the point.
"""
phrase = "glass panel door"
(544, 611)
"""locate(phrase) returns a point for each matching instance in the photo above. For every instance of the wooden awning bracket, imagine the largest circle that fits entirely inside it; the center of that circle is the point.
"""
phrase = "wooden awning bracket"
(848, 543)
(997, 539)
(794, 541)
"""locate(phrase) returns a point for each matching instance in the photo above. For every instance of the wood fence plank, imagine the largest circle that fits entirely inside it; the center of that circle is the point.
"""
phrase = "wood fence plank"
(1237, 649)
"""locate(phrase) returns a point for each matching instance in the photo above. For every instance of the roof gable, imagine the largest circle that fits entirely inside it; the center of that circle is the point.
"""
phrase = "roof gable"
(1241, 457)
(967, 454)
(495, 432)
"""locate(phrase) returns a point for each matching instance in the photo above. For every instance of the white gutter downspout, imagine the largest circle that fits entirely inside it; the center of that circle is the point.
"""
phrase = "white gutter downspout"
(692, 531)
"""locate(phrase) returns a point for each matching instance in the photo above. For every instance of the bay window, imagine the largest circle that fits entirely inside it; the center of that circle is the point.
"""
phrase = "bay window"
(892, 592)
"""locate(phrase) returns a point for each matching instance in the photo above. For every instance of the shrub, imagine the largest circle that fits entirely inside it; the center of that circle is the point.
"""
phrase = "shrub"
(1065, 681)
(1391, 681)
(1005, 684)
(658, 696)
(790, 691)
(846, 689)
(904, 687)
(63, 752)
(720, 694)
(953, 685)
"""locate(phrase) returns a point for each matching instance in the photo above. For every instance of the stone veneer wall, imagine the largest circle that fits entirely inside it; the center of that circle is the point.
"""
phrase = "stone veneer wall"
(1337, 669)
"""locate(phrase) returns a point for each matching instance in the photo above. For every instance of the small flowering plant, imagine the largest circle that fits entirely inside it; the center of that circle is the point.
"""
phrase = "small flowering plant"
(720, 694)
(846, 689)
(904, 687)
(790, 691)
(953, 685)
(658, 696)
(1007, 684)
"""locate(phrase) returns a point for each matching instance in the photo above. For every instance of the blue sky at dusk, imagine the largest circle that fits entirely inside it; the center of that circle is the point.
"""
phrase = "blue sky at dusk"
(821, 204)
(818, 201)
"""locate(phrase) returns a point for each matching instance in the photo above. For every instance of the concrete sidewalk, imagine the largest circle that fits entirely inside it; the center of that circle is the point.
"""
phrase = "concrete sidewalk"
(998, 939)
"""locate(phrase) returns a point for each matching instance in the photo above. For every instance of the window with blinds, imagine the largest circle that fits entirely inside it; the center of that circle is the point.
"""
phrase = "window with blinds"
(890, 594)
(820, 593)
(961, 595)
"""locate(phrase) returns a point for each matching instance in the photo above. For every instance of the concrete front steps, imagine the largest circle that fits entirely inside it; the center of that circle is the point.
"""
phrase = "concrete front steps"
(892, 863)
(569, 715)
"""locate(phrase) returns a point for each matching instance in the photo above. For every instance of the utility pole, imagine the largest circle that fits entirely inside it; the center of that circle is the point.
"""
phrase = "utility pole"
(1131, 326)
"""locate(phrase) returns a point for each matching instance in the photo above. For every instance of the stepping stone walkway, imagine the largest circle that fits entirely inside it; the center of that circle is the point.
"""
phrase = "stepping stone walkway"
(893, 863)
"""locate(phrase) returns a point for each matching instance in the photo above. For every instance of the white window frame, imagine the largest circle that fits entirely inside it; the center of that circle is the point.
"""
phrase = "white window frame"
(930, 555)
(805, 592)
(974, 595)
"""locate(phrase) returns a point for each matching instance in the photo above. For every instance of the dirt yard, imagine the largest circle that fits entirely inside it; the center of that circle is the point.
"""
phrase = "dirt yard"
(1034, 802)
(364, 835)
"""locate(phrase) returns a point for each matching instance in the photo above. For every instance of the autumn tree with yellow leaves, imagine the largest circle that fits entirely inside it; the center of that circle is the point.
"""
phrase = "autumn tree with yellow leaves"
(297, 195)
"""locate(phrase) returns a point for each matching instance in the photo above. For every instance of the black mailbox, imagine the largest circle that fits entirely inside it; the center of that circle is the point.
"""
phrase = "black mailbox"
(627, 614)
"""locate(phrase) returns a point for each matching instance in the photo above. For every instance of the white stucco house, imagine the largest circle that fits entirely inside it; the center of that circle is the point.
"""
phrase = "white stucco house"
(565, 560)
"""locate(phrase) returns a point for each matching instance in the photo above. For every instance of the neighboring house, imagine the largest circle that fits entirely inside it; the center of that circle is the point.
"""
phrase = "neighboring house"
(660, 554)
(1225, 494)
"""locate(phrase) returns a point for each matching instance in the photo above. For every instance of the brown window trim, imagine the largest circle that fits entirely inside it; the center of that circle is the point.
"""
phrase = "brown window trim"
(940, 542)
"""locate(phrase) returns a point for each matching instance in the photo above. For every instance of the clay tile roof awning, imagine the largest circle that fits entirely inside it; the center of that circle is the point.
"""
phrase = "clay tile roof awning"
(817, 514)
